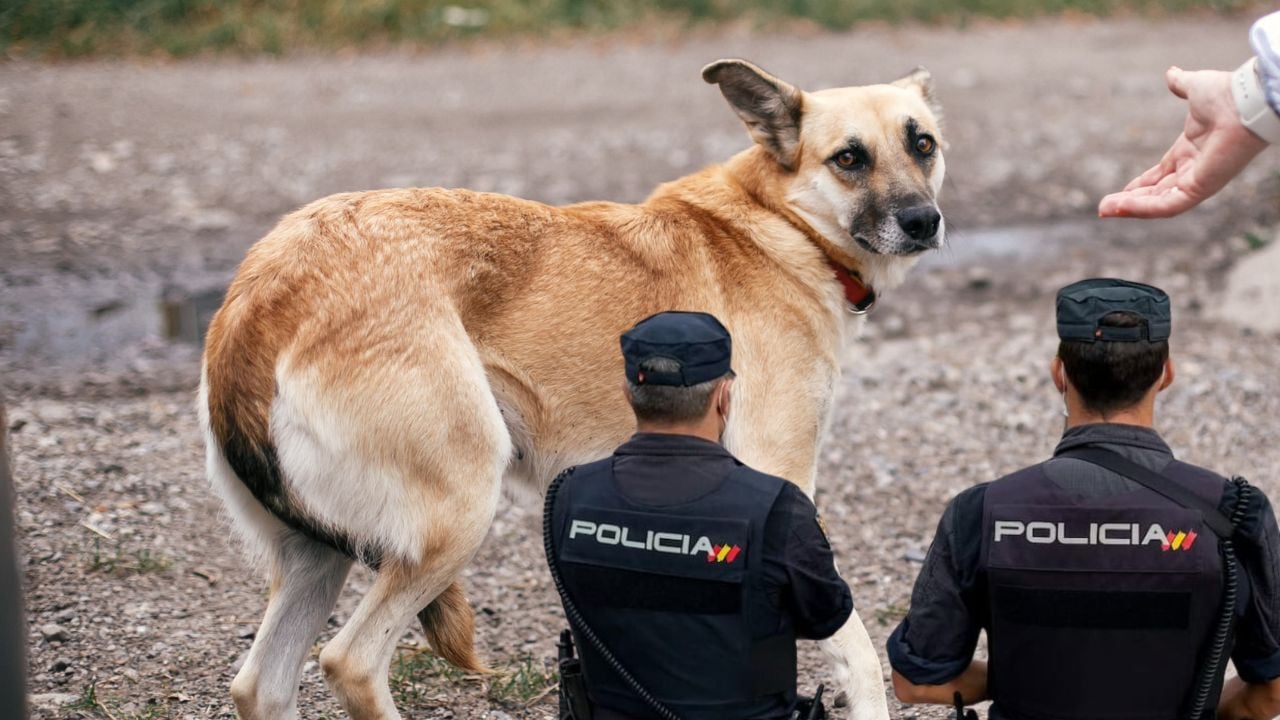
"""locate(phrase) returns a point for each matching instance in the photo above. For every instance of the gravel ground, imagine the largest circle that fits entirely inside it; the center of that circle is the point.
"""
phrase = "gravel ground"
(121, 181)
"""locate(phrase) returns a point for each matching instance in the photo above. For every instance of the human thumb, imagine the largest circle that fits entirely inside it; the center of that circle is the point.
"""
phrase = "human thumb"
(1176, 78)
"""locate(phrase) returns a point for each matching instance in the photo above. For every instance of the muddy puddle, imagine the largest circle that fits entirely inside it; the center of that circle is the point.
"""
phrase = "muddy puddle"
(1014, 243)
(76, 323)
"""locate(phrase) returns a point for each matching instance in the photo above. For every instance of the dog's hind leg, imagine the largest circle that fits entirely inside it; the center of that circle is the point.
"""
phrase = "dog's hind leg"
(306, 577)
(357, 661)
(433, 447)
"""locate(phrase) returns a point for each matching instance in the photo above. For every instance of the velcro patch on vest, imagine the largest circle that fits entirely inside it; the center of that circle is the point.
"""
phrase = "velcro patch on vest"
(1093, 610)
(1035, 537)
(702, 548)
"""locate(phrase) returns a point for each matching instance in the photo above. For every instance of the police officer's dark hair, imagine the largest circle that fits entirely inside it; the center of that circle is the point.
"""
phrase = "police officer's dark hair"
(1112, 376)
(669, 403)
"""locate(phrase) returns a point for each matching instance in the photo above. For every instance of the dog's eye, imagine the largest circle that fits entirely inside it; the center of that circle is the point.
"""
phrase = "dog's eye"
(925, 145)
(848, 159)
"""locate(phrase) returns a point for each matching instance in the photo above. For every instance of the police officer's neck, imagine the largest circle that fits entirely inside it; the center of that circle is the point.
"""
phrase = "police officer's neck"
(1141, 414)
(707, 428)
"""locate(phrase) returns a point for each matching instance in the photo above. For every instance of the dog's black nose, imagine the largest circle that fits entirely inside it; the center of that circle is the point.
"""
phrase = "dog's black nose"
(920, 223)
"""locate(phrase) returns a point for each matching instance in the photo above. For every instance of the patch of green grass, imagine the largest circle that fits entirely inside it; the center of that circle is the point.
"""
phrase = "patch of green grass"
(890, 614)
(1254, 241)
(77, 28)
(119, 561)
(90, 703)
(418, 675)
(419, 678)
(523, 683)
(88, 700)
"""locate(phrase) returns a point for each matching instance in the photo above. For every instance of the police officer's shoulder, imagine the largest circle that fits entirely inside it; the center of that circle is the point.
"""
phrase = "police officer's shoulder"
(963, 515)
(970, 499)
(750, 479)
(1255, 512)
(561, 487)
(569, 474)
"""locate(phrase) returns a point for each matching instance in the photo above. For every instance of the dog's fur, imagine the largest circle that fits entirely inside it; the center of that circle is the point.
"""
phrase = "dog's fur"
(384, 359)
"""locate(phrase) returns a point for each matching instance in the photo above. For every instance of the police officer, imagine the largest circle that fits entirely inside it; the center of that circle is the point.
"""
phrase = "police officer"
(1112, 580)
(695, 573)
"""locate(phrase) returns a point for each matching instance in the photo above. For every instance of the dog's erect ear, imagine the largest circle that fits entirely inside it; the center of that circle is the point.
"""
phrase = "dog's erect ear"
(770, 107)
(921, 81)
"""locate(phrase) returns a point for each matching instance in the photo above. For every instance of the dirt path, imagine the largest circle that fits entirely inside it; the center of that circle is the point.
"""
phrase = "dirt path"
(117, 180)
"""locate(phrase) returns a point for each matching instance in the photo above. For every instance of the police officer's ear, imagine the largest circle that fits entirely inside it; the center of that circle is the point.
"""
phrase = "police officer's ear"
(1059, 374)
(1166, 379)
(722, 396)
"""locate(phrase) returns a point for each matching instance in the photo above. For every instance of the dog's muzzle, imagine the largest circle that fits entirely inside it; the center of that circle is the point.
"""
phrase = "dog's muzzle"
(920, 224)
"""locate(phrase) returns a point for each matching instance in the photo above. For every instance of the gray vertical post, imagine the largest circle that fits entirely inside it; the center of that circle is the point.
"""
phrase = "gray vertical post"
(13, 631)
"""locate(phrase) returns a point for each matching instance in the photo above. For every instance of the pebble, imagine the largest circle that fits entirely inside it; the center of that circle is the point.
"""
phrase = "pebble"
(51, 701)
(52, 413)
(53, 632)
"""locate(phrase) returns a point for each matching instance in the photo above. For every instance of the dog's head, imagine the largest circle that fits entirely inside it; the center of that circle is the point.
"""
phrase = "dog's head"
(862, 166)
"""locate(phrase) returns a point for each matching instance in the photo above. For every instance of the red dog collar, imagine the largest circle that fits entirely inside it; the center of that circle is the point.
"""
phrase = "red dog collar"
(860, 297)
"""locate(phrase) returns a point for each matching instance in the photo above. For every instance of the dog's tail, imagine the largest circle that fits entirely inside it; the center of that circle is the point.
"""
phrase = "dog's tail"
(449, 624)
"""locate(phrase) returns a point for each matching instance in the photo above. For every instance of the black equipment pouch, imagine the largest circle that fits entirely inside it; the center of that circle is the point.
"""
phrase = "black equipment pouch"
(810, 708)
(574, 703)
(960, 712)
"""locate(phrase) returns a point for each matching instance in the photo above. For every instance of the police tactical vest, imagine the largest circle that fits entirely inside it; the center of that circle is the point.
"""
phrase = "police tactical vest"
(675, 592)
(1100, 607)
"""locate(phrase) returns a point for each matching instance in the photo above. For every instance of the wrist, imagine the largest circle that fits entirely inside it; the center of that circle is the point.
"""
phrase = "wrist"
(1251, 102)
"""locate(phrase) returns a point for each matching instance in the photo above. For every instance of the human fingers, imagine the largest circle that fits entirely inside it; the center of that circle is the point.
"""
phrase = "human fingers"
(1181, 150)
(1176, 78)
(1147, 203)
(1150, 176)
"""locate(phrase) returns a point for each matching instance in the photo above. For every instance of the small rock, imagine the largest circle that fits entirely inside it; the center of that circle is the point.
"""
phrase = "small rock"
(53, 632)
(131, 675)
(60, 665)
(53, 413)
(52, 701)
(66, 615)
(914, 555)
(978, 278)
(102, 163)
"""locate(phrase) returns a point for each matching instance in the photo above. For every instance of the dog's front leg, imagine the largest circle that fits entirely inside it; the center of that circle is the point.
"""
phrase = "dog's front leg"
(857, 669)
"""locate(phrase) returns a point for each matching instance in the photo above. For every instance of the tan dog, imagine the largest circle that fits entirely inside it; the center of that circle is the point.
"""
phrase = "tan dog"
(385, 359)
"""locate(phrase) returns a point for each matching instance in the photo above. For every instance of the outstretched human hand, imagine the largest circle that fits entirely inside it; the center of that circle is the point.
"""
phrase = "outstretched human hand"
(1213, 148)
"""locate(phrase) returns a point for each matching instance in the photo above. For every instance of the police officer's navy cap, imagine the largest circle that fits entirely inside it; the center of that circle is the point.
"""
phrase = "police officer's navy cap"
(1082, 305)
(696, 341)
